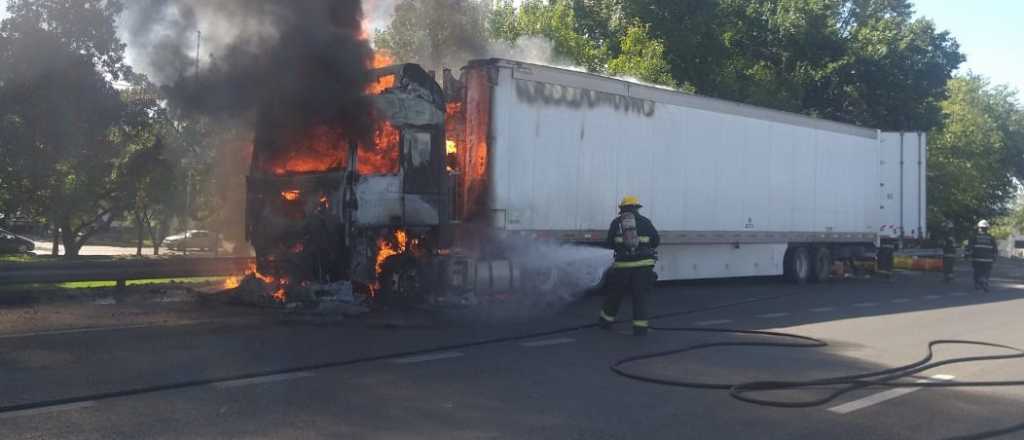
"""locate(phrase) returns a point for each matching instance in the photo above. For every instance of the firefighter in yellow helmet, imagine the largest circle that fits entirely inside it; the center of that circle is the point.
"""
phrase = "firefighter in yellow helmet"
(982, 249)
(634, 240)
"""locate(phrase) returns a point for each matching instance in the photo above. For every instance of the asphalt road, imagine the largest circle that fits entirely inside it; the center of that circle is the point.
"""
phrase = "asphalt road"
(200, 369)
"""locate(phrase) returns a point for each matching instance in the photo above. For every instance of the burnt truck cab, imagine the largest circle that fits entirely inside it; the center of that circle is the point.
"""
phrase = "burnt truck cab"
(374, 202)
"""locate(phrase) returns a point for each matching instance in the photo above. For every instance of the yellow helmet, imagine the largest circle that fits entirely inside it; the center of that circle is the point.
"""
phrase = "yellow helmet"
(629, 201)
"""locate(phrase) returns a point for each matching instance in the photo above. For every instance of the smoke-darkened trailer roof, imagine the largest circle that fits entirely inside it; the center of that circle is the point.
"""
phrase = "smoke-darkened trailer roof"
(616, 86)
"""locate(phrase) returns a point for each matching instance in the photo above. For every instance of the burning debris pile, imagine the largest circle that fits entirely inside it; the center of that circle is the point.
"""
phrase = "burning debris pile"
(255, 288)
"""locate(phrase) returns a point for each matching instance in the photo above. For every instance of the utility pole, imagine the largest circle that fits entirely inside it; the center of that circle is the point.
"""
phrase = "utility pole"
(199, 40)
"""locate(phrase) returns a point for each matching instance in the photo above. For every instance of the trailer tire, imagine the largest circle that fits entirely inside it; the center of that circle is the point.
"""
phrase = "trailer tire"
(822, 267)
(797, 265)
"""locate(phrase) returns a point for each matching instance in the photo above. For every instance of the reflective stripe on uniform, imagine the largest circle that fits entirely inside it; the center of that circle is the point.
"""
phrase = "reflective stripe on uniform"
(984, 246)
(643, 239)
(632, 264)
(983, 260)
(605, 317)
(641, 323)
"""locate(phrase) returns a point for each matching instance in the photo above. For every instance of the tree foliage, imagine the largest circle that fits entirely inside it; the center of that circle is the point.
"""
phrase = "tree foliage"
(63, 122)
(975, 156)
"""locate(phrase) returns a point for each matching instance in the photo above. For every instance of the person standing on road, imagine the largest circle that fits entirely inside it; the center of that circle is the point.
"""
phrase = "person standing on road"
(948, 256)
(887, 254)
(634, 240)
(983, 254)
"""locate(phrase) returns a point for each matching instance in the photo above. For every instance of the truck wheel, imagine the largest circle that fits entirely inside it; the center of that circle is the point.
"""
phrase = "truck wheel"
(822, 269)
(797, 265)
(399, 281)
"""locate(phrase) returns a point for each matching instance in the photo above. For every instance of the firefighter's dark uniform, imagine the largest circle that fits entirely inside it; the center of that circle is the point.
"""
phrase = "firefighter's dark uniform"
(631, 273)
(886, 254)
(983, 255)
(948, 257)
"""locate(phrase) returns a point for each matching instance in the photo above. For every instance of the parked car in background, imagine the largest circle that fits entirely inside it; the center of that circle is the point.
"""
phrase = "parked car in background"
(11, 243)
(194, 239)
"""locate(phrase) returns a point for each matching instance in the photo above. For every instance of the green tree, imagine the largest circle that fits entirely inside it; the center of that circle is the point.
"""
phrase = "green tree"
(971, 163)
(589, 33)
(61, 115)
(554, 21)
(149, 178)
(867, 62)
(641, 57)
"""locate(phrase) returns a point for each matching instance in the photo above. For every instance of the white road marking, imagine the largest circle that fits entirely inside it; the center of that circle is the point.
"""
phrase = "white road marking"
(48, 409)
(866, 304)
(822, 309)
(958, 294)
(546, 342)
(427, 357)
(929, 297)
(773, 315)
(262, 379)
(875, 399)
(105, 301)
(712, 322)
(900, 300)
(118, 327)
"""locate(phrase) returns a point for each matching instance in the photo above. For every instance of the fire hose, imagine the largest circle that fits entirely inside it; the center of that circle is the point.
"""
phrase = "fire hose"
(884, 378)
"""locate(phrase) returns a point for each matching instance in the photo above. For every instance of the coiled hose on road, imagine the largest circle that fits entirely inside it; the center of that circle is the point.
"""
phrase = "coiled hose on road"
(886, 378)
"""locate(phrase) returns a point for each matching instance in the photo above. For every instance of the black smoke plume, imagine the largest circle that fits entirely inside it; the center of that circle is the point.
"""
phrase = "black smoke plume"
(282, 67)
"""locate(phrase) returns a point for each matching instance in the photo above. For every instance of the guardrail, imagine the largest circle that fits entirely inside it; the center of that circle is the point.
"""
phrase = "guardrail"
(121, 271)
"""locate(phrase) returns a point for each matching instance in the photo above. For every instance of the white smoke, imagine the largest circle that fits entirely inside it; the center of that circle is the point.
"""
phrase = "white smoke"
(578, 270)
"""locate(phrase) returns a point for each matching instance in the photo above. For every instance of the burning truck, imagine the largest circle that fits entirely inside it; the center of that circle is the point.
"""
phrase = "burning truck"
(398, 218)
(426, 211)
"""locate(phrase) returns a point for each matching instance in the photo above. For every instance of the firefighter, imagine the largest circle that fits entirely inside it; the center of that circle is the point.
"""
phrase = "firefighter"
(982, 248)
(948, 256)
(886, 254)
(634, 240)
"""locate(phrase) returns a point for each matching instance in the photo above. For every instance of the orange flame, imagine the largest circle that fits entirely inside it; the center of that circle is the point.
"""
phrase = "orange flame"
(291, 195)
(324, 149)
(234, 281)
(383, 83)
(382, 158)
(279, 295)
(390, 245)
(381, 58)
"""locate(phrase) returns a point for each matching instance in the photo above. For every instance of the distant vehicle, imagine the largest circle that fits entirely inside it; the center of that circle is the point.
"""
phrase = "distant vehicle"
(11, 243)
(194, 239)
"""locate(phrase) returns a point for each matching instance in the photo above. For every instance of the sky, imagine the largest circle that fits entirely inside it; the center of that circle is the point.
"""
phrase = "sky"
(988, 31)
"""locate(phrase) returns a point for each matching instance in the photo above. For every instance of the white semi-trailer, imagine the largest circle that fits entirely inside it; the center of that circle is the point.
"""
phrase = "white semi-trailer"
(735, 190)
(513, 148)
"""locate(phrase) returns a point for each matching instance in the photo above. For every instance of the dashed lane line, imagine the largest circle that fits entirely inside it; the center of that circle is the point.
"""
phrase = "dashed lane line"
(712, 322)
(263, 379)
(773, 315)
(547, 342)
(931, 297)
(959, 294)
(48, 409)
(822, 309)
(427, 357)
(900, 300)
(875, 399)
(866, 304)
